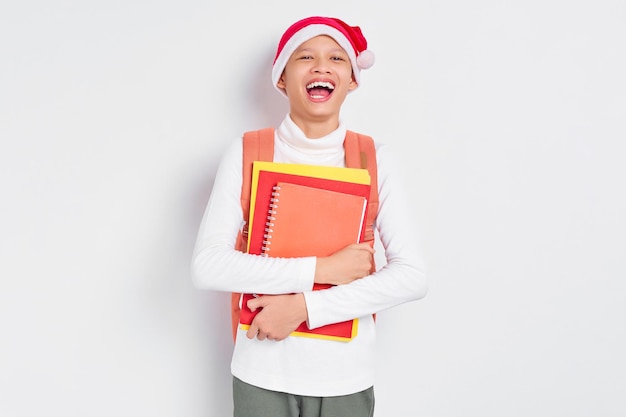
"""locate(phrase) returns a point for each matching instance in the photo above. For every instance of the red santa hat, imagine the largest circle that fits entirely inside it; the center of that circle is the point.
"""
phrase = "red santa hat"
(348, 37)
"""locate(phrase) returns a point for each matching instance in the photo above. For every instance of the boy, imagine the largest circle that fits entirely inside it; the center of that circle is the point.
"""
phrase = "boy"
(318, 62)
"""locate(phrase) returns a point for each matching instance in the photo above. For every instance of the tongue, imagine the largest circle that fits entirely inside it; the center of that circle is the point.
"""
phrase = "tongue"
(319, 92)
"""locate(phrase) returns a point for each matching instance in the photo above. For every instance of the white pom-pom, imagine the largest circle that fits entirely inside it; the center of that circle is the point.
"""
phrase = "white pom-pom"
(365, 59)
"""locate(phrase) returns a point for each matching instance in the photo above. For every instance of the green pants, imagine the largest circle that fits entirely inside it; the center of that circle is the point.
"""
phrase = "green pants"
(251, 401)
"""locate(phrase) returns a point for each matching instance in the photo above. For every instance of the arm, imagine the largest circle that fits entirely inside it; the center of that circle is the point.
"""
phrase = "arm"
(216, 265)
(401, 280)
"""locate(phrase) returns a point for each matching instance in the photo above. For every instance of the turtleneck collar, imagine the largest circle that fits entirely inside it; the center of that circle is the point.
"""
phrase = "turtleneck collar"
(293, 137)
(292, 146)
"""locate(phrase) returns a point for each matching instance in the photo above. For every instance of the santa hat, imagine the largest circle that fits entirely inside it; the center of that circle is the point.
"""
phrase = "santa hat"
(348, 37)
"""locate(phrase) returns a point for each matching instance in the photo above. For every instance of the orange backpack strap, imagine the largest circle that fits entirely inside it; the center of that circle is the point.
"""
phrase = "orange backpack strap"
(361, 153)
(258, 145)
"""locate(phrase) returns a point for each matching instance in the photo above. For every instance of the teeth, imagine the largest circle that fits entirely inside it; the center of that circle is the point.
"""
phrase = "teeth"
(320, 84)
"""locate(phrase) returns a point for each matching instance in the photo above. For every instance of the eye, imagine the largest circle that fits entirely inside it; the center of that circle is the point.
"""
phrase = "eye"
(337, 58)
(305, 57)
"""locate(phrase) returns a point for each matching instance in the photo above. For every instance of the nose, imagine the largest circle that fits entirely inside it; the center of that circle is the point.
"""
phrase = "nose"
(321, 68)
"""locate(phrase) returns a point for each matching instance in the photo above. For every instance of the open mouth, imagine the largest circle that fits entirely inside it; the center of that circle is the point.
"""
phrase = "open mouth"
(320, 89)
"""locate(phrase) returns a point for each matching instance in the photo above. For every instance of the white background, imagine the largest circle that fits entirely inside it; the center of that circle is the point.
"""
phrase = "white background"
(508, 118)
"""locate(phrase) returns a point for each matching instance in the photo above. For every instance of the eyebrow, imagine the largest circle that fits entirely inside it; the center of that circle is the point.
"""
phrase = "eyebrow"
(336, 50)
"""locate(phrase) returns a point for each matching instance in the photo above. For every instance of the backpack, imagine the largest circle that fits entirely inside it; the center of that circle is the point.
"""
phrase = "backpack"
(258, 145)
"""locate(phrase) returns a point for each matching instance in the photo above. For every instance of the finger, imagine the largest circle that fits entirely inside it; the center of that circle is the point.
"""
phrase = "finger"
(252, 331)
(254, 303)
(364, 246)
(367, 247)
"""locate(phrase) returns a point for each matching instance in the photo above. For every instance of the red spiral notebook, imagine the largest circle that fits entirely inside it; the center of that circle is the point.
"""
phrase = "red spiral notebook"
(306, 216)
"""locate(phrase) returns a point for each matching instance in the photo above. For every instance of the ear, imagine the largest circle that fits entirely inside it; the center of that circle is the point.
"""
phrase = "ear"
(353, 84)
(281, 82)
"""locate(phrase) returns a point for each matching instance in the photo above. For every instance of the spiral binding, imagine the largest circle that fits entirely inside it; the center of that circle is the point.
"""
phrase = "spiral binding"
(269, 224)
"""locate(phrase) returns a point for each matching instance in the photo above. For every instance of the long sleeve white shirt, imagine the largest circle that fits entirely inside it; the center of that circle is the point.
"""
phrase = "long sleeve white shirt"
(302, 365)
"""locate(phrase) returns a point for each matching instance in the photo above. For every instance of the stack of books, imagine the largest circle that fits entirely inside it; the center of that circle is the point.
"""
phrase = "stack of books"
(306, 210)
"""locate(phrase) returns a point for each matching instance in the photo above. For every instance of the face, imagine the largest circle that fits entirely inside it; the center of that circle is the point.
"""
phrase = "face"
(316, 79)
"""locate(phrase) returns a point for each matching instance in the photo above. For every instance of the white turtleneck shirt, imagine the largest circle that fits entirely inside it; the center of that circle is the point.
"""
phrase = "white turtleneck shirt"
(303, 365)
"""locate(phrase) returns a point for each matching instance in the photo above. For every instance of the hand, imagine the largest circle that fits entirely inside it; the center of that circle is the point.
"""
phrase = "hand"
(346, 265)
(280, 315)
